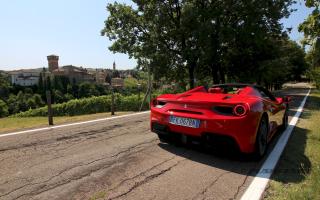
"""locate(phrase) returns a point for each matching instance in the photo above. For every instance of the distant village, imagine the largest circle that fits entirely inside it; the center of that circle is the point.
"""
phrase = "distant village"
(30, 77)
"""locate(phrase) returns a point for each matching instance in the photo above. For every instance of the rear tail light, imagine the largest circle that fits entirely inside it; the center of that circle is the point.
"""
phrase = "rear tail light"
(240, 110)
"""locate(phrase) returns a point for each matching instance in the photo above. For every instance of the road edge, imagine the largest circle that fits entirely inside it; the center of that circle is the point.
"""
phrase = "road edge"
(70, 124)
(261, 179)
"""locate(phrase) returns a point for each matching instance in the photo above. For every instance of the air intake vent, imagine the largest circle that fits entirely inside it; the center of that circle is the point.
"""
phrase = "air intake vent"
(224, 110)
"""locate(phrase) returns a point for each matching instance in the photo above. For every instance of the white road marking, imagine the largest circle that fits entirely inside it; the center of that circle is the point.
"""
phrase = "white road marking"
(260, 182)
(72, 124)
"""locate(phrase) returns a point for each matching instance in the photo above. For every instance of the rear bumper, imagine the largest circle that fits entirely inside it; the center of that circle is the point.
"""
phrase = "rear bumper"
(241, 129)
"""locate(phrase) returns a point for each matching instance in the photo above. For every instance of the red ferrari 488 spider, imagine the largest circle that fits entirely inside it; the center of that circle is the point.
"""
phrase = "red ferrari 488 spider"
(248, 115)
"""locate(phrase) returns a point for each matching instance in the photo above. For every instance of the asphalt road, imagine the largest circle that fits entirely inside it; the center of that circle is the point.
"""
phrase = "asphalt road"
(119, 159)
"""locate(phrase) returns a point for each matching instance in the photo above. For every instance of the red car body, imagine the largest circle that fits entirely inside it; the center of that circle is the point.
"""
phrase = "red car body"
(231, 110)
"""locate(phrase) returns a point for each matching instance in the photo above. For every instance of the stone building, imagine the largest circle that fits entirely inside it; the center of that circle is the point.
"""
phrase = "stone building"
(25, 77)
(53, 62)
(75, 74)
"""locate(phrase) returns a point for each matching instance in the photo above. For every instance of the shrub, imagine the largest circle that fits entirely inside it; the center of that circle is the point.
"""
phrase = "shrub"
(88, 106)
(316, 77)
(3, 109)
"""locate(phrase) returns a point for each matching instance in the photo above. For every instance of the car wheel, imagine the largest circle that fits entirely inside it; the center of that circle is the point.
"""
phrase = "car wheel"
(285, 120)
(262, 138)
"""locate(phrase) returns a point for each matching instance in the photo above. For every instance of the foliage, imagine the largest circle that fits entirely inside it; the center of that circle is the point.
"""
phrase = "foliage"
(187, 40)
(311, 26)
(4, 86)
(3, 109)
(311, 29)
(130, 83)
(87, 106)
(315, 76)
(23, 101)
(87, 89)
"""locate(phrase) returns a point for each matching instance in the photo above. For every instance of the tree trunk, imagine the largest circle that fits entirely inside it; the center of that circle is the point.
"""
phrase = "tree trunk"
(191, 74)
(222, 75)
(214, 74)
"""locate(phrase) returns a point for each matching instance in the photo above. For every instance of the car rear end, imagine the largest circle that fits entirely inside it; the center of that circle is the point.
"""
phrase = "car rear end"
(206, 115)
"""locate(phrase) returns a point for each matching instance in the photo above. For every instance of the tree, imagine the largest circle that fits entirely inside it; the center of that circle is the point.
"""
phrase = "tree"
(3, 109)
(296, 58)
(311, 30)
(58, 96)
(87, 90)
(4, 86)
(13, 104)
(189, 38)
(40, 84)
(108, 78)
(311, 26)
(38, 100)
(153, 34)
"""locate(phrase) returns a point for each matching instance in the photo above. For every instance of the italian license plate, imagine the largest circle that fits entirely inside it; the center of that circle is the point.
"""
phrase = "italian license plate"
(188, 122)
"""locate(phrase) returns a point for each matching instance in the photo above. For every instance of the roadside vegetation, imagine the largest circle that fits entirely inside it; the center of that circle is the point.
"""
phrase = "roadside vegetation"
(88, 106)
(297, 175)
(15, 99)
(17, 123)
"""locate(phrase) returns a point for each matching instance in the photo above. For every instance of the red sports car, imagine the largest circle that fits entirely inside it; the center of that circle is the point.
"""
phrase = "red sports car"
(248, 115)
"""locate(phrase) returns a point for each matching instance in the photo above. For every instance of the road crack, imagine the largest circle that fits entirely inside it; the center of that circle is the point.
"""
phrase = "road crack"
(63, 182)
(240, 186)
(146, 179)
(205, 190)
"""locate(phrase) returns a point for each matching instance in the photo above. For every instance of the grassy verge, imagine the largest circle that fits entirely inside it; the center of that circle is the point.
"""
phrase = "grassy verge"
(298, 172)
(18, 123)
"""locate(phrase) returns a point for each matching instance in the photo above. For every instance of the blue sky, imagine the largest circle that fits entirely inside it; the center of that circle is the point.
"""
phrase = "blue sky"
(33, 29)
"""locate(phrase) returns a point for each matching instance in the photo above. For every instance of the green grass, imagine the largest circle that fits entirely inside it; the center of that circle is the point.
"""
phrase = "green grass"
(298, 172)
(99, 195)
(16, 123)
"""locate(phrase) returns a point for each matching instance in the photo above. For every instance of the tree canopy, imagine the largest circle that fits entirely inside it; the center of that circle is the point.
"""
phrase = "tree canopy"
(188, 40)
(311, 30)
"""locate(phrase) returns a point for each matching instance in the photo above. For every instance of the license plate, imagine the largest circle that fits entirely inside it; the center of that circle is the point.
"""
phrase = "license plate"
(188, 122)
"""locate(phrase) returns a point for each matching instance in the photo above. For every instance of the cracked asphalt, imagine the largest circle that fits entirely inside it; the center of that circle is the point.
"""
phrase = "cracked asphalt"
(120, 159)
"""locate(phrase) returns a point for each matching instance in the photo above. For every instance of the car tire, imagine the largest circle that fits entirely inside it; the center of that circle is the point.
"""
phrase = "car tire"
(285, 119)
(262, 138)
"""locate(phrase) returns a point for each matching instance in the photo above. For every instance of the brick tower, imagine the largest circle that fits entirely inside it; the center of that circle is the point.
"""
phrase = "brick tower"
(53, 62)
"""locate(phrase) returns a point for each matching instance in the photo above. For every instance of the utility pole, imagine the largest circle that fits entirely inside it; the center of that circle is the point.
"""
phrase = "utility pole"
(150, 85)
(112, 93)
(50, 117)
(112, 101)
